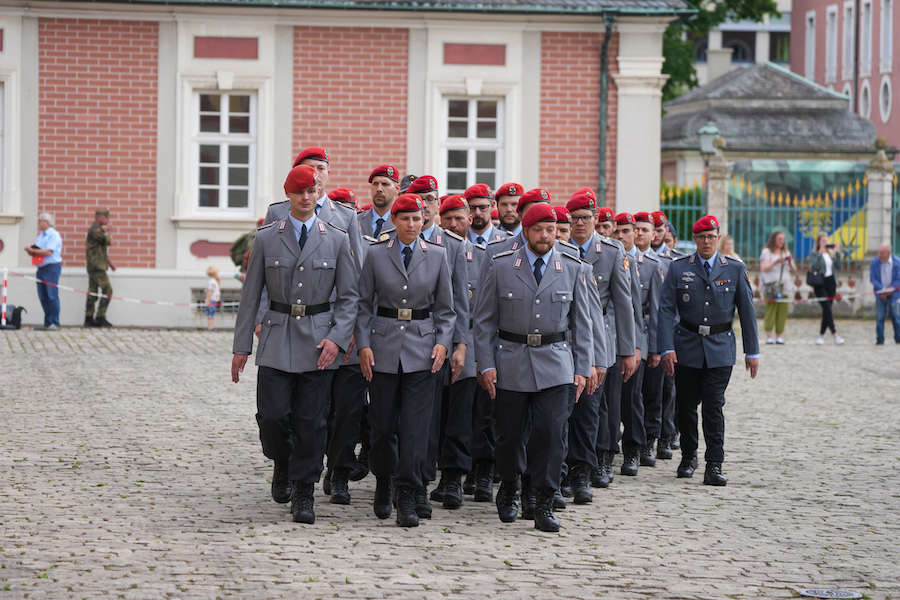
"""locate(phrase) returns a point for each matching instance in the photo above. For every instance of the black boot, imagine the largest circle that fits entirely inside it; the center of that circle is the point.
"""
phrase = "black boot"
(713, 475)
(600, 476)
(676, 442)
(302, 503)
(89, 322)
(565, 486)
(437, 494)
(581, 488)
(607, 465)
(281, 485)
(453, 493)
(406, 508)
(423, 506)
(544, 519)
(647, 457)
(361, 468)
(484, 482)
(529, 500)
(102, 322)
(340, 491)
(326, 483)
(630, 462)
(468, 485)
(688, 465)
(508, 501)
(383, 497)
(559, 503)
(664, 449)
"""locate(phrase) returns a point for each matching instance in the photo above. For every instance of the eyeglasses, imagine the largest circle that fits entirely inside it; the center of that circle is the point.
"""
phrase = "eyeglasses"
(705, 237)
(583, 219)
(479, 207)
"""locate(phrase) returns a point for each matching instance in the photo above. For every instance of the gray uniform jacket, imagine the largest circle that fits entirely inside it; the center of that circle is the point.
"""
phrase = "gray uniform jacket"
(640, 331)
(490, 234)
(701, 300)
(324, 271)
(332, 212)
(510, 299)
(476, 262)
(384, 281)
(456, 259)
(365, 223)
(650, 281)
(607, 259)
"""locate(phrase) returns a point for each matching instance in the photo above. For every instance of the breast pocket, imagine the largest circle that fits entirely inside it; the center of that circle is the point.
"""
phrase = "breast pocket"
(561, 301)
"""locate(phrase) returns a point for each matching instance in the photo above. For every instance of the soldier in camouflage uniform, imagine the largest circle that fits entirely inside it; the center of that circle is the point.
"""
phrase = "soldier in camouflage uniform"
(98, 262)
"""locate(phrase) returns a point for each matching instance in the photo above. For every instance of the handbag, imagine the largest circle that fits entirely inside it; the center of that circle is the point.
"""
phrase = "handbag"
(775, 289)
(815, 278)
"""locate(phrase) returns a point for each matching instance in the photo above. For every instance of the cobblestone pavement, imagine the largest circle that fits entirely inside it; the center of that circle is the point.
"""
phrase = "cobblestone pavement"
(131, 468)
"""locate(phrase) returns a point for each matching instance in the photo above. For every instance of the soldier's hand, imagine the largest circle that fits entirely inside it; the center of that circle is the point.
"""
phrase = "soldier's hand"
(488, 381)
(580, 383)
(668, 362)
(600, 376)
(628, 367)
(257, 329)
(366, 362)
(637, 358)
(457, 362)
(237, 366)
(439, 354)
(329, 353)
(653, 361)
(752, 365)
(352, 345)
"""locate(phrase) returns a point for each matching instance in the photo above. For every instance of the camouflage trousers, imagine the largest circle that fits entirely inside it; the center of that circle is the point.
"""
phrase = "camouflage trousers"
(98, 279)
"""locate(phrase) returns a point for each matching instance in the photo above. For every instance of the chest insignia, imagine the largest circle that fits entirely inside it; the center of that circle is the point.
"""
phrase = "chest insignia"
(557, 264)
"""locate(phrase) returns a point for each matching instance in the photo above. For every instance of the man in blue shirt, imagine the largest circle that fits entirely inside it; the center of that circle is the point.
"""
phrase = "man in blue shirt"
(884, 273)
(46, 254)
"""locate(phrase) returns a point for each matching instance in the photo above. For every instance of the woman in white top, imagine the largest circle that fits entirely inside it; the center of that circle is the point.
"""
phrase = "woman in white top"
(826, 259)
(776, 266)
(213, 295)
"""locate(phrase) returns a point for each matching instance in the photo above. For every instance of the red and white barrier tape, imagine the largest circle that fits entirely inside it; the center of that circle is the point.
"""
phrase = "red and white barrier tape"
(3, 306)
(837, 297)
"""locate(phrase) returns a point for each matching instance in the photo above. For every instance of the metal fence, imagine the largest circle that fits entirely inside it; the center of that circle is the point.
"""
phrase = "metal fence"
(683, 206)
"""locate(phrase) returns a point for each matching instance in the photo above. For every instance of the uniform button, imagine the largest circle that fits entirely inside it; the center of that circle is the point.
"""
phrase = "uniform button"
(324, 264)
(404, 287)
(705, 319)
(509, 295)
(538, 301)
(373, 331)
(297, 317)
(707, 287)
(403, 301)
(268, 321)
(500, 346)
(537, 316)
(301, 268)
(537, 330)
(726, 289)
(599, 277)
(402, 327)
(299, 302)
(706, 303)
(276, 263)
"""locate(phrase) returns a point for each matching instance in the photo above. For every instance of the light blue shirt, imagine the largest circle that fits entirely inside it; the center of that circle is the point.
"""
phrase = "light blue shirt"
(49, 239)
(428, 232)
(297, 224)
(320, 202)
(586, 246)
(633, 252)
(487, 235)
(516, 231)
(531, 256)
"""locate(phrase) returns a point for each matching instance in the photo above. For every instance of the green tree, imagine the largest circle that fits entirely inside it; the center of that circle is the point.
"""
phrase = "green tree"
(680, 37)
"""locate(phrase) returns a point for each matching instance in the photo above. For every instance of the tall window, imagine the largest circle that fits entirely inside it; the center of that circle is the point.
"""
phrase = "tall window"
(225, 149)
(2, 137)
(849, 39)
(780, 47)
(809, 50)
(831, 44)
(865, 39)
(887, 34)
(473, 142)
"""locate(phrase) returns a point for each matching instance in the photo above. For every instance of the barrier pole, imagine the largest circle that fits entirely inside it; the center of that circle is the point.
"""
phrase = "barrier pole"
(3, 307)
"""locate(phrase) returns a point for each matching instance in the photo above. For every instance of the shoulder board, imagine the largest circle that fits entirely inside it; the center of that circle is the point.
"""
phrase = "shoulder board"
(333, 226)
(734, 260)
(431, 243)
(374, 241)
(505, 253)
(279, 203)
(569, 244)
(497, 241)
(266, 226)
(608, 242)
(342, 205)
(682, 257)
(569, 256)
(650, 256)
(455, 236)
(480, 246)
(369, 238)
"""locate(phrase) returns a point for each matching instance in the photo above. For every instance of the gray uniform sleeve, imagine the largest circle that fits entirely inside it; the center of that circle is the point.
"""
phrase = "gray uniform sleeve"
(356, 241)
(653, 315)
(580, 322)
(620, 292)
(640, 337)
(666, 315)
(443, 315)
(346, 301)
(460, 281)
(254, 284)
(743, 298)
(485, 311)
(365, 313)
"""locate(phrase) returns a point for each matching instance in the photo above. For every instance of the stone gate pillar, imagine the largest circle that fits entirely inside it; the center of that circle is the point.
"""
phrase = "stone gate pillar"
(880, 200)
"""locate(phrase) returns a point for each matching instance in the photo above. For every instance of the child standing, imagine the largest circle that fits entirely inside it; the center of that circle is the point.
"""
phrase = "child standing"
(213, 295)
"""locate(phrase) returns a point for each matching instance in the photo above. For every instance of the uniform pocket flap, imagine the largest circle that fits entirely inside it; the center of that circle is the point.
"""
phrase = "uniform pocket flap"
(324, 263)
(562, 296)
(276, 261)
(273, 318)
(426, 328)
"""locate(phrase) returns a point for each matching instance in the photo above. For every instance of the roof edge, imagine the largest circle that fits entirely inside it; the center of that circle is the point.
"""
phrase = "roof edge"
(808, 82)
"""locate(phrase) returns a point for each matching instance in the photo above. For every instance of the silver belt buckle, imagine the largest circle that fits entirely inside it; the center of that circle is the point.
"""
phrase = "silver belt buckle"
(533, 339)
(404, 314)
(298, 310)
(703, 330)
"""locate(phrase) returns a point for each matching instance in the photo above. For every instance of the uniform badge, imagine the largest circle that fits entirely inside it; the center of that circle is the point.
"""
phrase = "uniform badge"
(512, 190)
(383, 237)
(544, 195)
(438, 240)
(282, 224)
(557, 264)
(468, 255)
(515, 245)
(625, 262)
(470, 294)
(321, 227)
(390, 171)
(431, 183)
(518, 262)
(390, 244)
(685, 297)
(598, 247)
(422, 244)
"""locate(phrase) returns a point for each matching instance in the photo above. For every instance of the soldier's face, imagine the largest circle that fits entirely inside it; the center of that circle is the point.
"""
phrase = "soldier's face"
(506, 209)
(321, 168)
(563, 231)
(384, 192)
(102, 219)
(659, 236)
(582, 224)
(431, 206)
(408, 225)
(456, 221)
(541, 237)
(480, 209)
(669, 240)
(707, 242)
(303, 203)
(643, 234)
(606, 228)
(625, 234)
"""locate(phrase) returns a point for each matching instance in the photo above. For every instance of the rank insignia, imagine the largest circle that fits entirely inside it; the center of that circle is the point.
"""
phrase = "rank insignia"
(518, 262)
(468, 255)
(557, 264)
(383, 237)
(321, 227)
(282, 224)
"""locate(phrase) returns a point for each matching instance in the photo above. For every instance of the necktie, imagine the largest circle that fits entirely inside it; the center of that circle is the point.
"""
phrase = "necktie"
(407, 255)
(707, 267)
(537, 269)
(581, 251)
(479, 240)
(379, 223)
(303, 236)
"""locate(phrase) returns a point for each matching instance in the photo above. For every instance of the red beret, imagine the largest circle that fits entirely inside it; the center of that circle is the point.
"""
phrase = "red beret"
(479, 190)
(495, 214)
(705, 224)
(406, 203)
(422, 185)
(642, 217)
(589, 191)
(260, 222)
(541, 213)
(535, 195)
(580, 200)
(604, 213)
(344, 195)
(453, 202)
(365, 207)
(659, 218)
(300, 178)
(509, 189)
(624, 218)
(389, 171)
(314, 153)
(562, 214)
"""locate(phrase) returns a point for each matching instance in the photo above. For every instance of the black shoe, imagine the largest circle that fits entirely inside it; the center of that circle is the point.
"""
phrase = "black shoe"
(565, 487)
(687, 466)
(529, 500)
(508, 501)
(663, 449)
(559, 503)
(302, 503)
(630, 463)
(607, 466)
(326, 482)
(340, 491)
(647, 458)
(423, 506)
(89, 322)
(581, 488)
(468, 486)
(383, 497)
(453, 493)
(676, 442)
(713, 474)
(544, 519)
(359, 470)
(281, 485)
(597, 477)
(102, 322)
(406, 508)
(437, 494)
(484, 482)
(879, 342)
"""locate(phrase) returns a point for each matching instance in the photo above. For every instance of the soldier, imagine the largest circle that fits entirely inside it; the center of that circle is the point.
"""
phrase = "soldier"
(495, 218)
(405, 328)
(563, 223)
(508, 212)
(96, 250)
(533, 299)
(311, 276)
(481, 205)
(344, 196)
(703, 291)
(376, 221)
(606, 222)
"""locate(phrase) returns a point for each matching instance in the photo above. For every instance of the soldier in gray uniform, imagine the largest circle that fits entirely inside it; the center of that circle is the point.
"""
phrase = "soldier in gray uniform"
(376, 221)
(312, 278)
(533, 300)
(703, 291)
(405, 328)
(481, 203)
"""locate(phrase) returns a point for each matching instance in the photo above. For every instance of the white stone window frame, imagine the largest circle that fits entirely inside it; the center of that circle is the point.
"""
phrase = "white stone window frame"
(11, 209)
(848, 37)
(865, 39)
(865, 99)
(472, 144)
(887, 36)
(848, 91)
(809, 45)
(831, 43)
(884, 108)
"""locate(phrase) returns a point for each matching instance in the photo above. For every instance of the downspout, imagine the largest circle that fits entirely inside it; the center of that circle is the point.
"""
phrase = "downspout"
(604, 92)
(856, 58)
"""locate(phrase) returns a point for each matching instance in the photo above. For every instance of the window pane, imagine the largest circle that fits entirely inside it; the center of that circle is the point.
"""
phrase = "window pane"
(209, 123)
(458, 129)
(238, 104)
(238, 155)
(459, 108)
(237, 198)
(487, 129)
(456, 180)
(209, 154)
(209, 198)
(209, 102)
(209, 175)
(237, 176)
(486, 177)
(456, 159)
(239, 124)
(487, 109)
(485, 159)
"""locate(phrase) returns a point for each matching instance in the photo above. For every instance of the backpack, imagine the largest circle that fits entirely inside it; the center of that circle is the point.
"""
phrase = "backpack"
(14, 316)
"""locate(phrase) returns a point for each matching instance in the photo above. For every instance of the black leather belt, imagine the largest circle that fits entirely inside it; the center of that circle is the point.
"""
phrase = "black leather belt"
(705, 330)
(533, 339)
(300, 310)
(404, 314)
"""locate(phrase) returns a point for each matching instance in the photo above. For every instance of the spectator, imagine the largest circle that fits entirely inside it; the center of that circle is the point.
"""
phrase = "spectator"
(213, 295)
(46, 255)
(826, 259)
(884, 273)
(726, 247)
(97, 261)
(776, 266)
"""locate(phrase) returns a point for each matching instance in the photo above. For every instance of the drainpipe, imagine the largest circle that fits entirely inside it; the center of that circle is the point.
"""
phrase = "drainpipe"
(856, 58)
(604, 88)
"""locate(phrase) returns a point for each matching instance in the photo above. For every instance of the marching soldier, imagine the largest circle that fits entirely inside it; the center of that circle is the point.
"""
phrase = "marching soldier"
(306, 265)
(405, 329)
(533, 299)
(703, 290)
(376, 220)
(481, 207)
(563, 224)
(508, 213)
(606, 222)
(344, 196)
